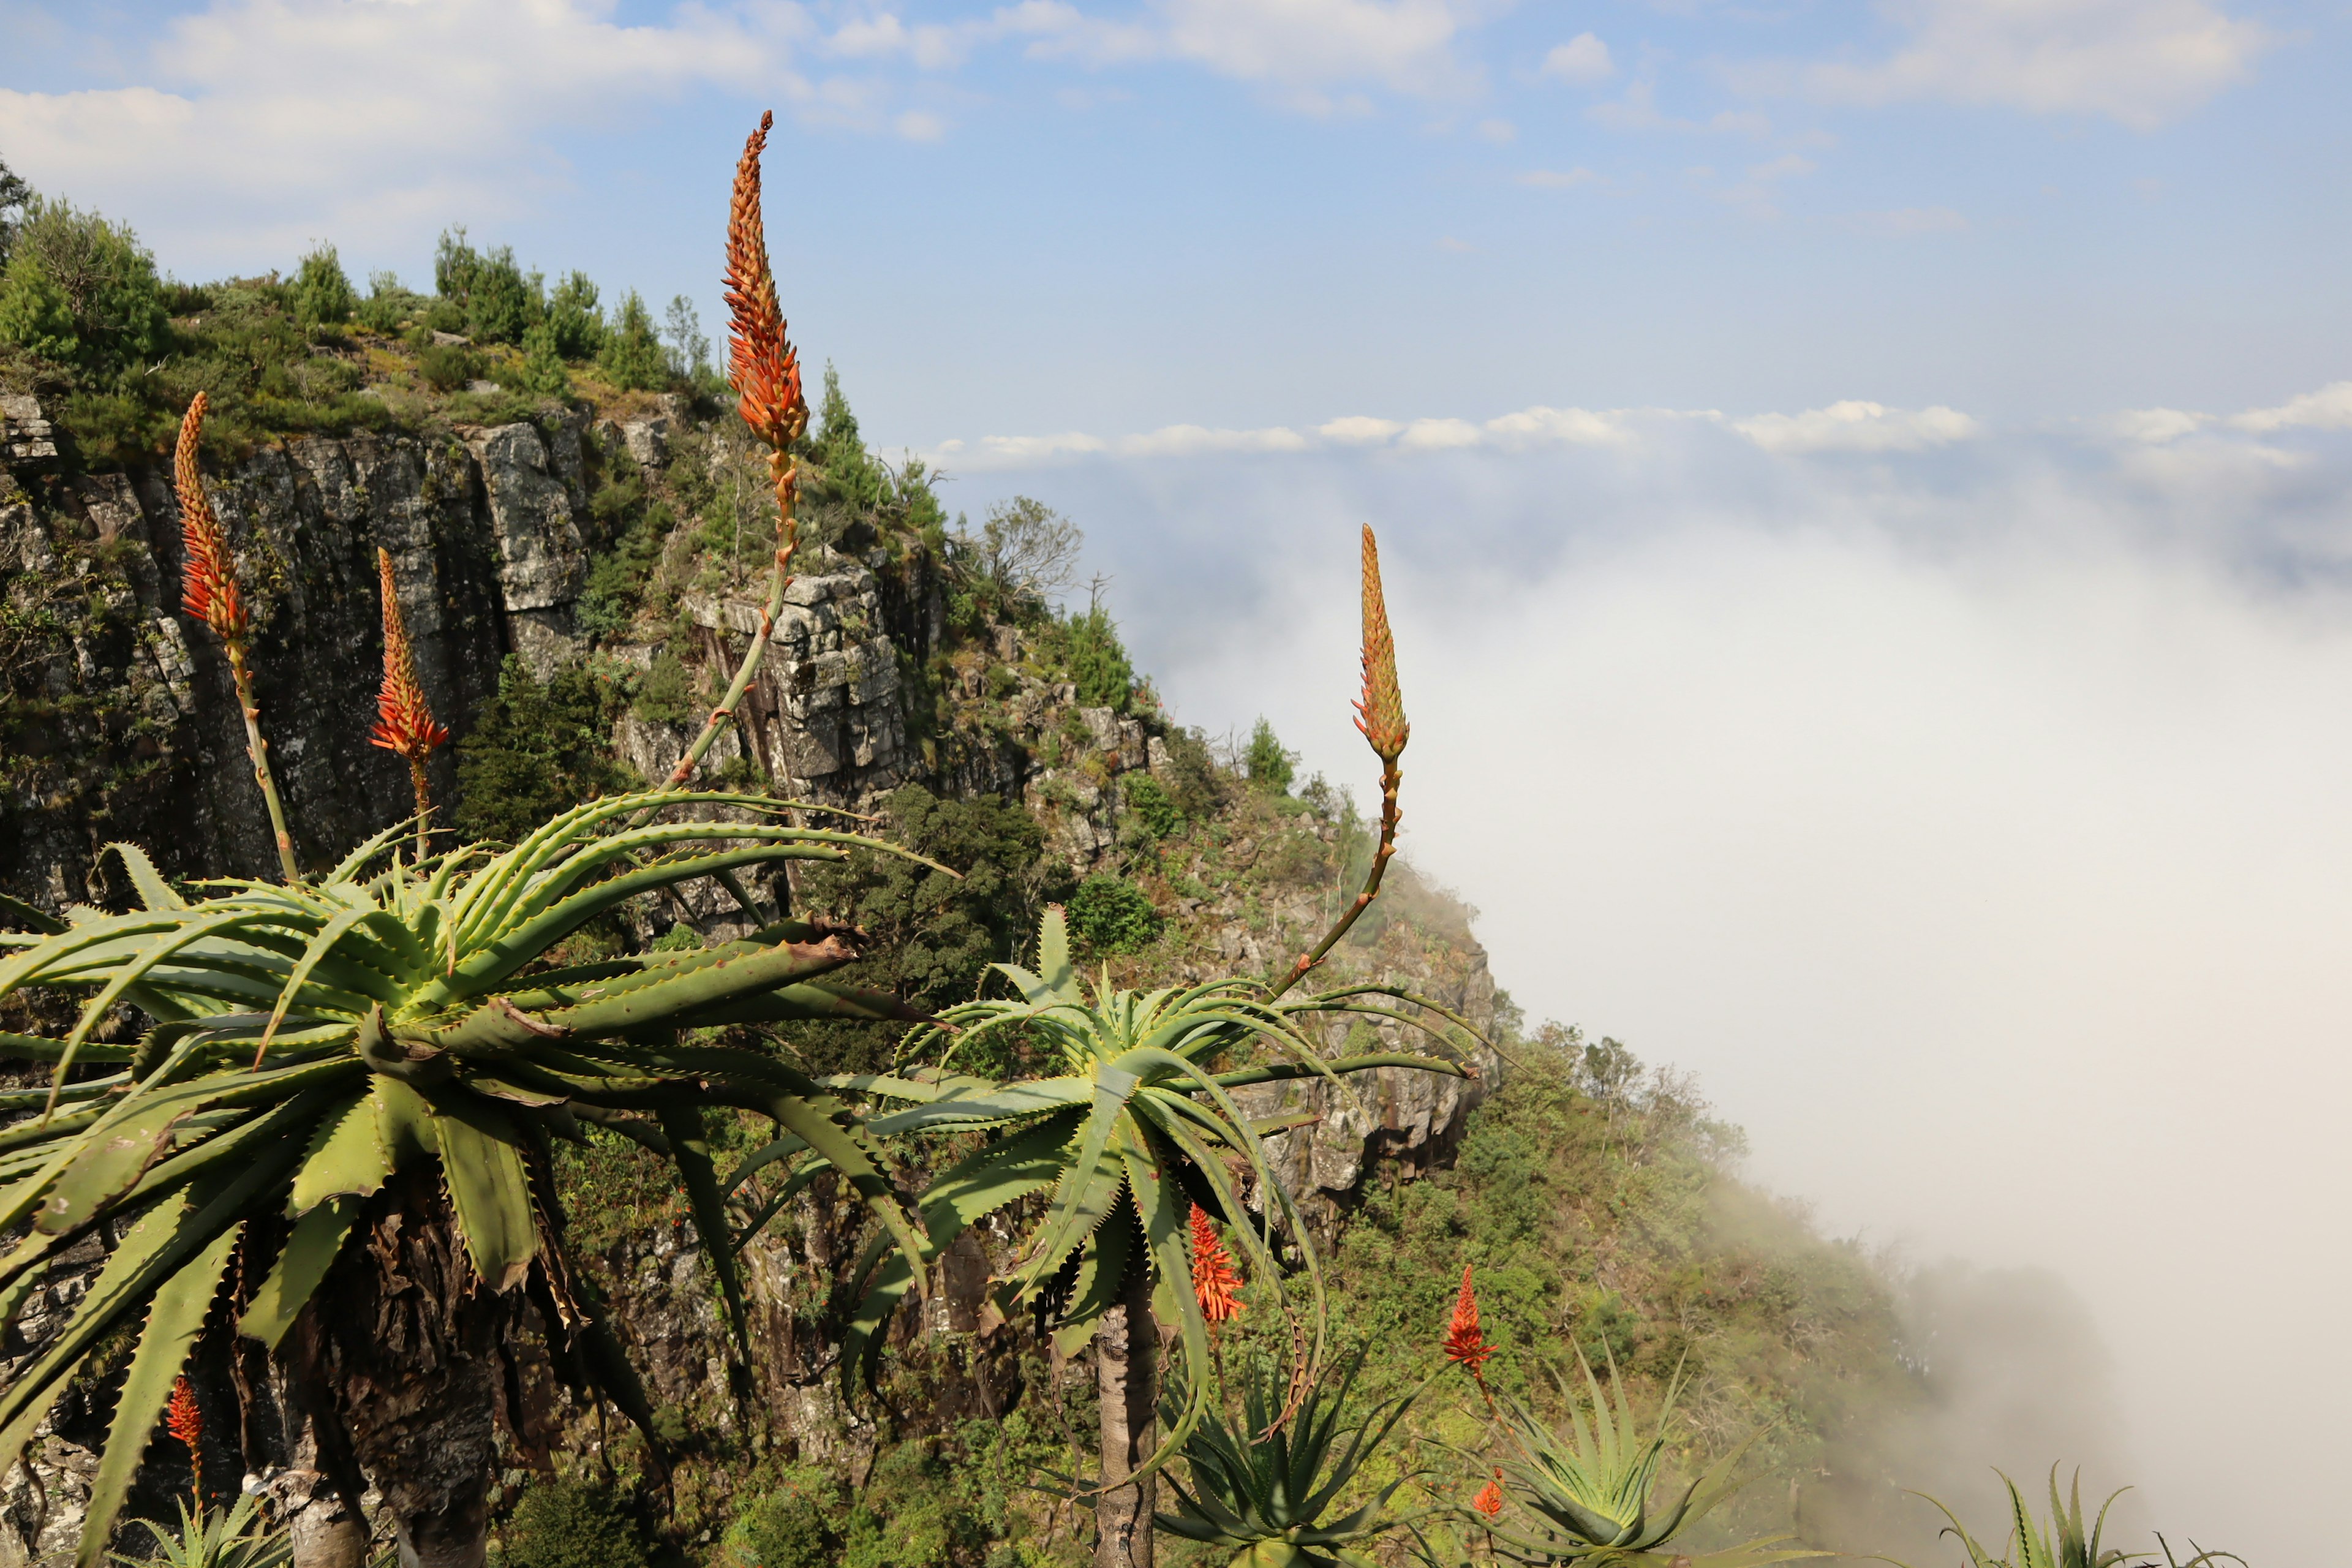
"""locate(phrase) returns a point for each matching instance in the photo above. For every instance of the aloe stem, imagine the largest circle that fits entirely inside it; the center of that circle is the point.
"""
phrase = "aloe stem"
(779, 579)
(1391, 776)
(259, 750)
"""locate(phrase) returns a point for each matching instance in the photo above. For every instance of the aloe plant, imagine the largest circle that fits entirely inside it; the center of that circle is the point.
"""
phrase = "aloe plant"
(1592, 1494)
(329, 1058)
(235, 1537)
(2064, 1542)
(1260, 1492)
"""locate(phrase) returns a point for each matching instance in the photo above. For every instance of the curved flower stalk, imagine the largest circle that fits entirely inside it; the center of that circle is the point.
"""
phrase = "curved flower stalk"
(1591, 1495)
(766, 372)
(1380, 719)
(2033, 1545)
(1260, 1497)
(1136, 1130)
(405, 725)
(314, 1042)
(209, 593)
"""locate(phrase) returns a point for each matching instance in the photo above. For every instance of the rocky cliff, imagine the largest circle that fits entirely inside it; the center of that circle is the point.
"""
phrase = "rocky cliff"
(120, 723)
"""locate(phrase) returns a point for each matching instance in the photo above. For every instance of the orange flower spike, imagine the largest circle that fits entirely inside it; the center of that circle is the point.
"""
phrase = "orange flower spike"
(186, 1422)
(208, 578)
(1379, 714)
(403, 721)
(1216, 1282)
(1466, 1341)
(1490, 1500)
(760, 358)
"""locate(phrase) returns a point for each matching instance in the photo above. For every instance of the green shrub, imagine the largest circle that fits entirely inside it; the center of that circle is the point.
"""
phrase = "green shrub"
(572, 316)
(1097, 661)
(632, 357)
(81, 291)
(1112, 914)
(572, 1524)
(791, 1527)
(500, 300)
(1150, 803)
(913, 1513)
(541, 372)
(323, 294)
(446, 367)
(536, 751)
(665, 694)
(388, 306)
(1266, 764)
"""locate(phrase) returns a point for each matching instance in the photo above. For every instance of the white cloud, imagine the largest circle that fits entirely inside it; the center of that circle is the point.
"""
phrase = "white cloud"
(1016, 451)
(378, 118)
(1560, 427)
(1192, 440)
(2329, 408)
(1437, 435)
(1358, 430)
(1857, 426)
(1501, 132)
(1559, 179)
(1300, 47)
(1638, 110)
(920, 125)
(2155, 426)
(1583, 58)
(2141, 62)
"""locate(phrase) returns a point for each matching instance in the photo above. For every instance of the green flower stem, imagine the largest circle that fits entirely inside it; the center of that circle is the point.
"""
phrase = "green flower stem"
(259, 750)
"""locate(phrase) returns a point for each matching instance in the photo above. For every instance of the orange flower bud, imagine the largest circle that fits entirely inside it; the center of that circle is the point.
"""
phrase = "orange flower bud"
(759, 359)
(207, 576)
(1466, 1341)
(1215, 1279)
(1379, 714)
(403, 722)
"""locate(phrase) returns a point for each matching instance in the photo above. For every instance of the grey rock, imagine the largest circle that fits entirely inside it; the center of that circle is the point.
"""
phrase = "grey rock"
(26, 436)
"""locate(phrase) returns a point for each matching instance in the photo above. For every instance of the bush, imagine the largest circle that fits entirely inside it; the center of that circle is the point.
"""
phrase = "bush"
(446, 367)
(788, 1527)
(665, 695)
(500, 301)
(1151, 805)
(572, 316)
(1112, 914)
(538, 750)
(1267, 765)
(323, 295)
(388, 306)
(81, 291)
(541, 372)
(572, 1524)
(1097, 660)
(632, 358)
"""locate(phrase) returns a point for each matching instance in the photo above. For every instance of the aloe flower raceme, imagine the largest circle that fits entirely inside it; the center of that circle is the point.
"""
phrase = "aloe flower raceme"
(182, 1420)
(2031, 1543)
(327, 1055)
(1135, 1129)
(403, 719)
(208, 591)
(1592, 1494)
(1465, 1340)
(1214, 1281)
(1379, 718)
(1260, 1498)
(766, 372)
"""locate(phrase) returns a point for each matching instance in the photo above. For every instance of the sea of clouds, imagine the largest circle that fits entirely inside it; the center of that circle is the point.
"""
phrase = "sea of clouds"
(1969, 807)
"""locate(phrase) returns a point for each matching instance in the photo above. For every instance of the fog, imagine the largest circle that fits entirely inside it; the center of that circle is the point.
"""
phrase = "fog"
(1975, 822)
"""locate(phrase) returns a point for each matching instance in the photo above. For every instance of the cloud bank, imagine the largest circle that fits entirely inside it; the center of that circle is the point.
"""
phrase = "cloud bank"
(1966, 805)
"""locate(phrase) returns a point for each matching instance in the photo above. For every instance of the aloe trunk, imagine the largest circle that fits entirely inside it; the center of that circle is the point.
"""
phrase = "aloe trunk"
(322, 1516)
(414, 1349)
(1127, 1364)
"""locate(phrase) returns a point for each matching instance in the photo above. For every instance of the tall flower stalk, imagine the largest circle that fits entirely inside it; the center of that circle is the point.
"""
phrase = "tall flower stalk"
(1379, 718)
(404, 720)
(766, 372)
(209, 593)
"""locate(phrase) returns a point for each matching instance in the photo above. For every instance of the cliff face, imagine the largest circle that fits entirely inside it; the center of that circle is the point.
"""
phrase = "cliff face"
(120, 723)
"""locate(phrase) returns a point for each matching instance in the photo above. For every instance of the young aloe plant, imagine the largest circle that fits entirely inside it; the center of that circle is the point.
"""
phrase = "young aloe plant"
(2031, 1543)
(1590, 1495)
(316, 1042)
(1259, 1498)
(235, 1537)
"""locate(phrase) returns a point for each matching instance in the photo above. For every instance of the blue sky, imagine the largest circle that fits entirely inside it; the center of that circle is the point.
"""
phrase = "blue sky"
(1867, 493)
(1034, 218)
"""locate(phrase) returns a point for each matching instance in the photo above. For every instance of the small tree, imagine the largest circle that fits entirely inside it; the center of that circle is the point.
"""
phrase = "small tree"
(323, 294)
(1267, 765)
(81, 291)
(632, 356)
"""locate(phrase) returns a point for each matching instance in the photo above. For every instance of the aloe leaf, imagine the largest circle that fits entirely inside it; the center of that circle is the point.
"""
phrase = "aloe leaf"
(1102, 1268)
(838, 1144)
(689, 1143)
(657, 1003)
(345, 1157)
(154, 891)
(349, 866)
(761, 1157)
(405, 1130)
(961, 1112)
(173, 1324)
(1163, 1233)
(792, 1186)
(805, 1002)
(311, 1251)
(1279, 1072)
(21, 914)
(1090, 1187)
(482, 1160)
